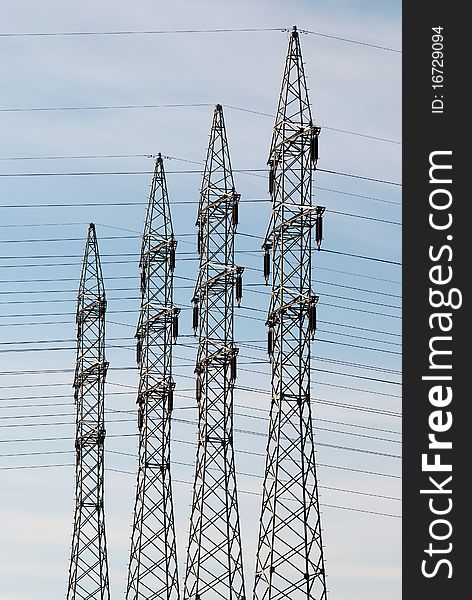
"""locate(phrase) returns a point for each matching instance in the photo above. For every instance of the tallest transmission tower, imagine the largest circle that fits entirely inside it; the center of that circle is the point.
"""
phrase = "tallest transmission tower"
(290, 562)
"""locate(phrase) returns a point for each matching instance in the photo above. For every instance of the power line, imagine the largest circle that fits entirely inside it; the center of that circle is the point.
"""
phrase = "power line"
(18, 467)
(151, 106)
(240, 316)
(189, 256)
(242, 344)
(331, 211)
(61, 348)
(183, 172)
(315, 400)
(386, 182)
(237, 430)
(248, 285)
(251, 362)
(184, 421)
(250, 344)
(340, 333)
(123, 311)
(350, 41)
(254, 390)
(185, 464)
(134, 278)
(128, 32)
(367, 218)
(347, 131)
(133, 393)
(244, 200)
(186, 442)
(382, 260)
(193, 31)
(255, 475)
(137, 236)
(240, 387)
(54, 371)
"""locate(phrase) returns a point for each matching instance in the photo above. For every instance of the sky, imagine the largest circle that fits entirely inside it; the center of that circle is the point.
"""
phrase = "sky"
(355, 92)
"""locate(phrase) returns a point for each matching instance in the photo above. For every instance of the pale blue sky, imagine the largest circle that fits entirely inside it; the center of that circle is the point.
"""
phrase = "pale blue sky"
(352, 87)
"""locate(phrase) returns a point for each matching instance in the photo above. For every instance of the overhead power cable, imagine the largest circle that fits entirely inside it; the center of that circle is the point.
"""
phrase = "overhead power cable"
(182, 278)
(183, 172)
(153, 106)
(132, 393)
(186, 442)
(138, 203)
(20, 467)
(184, 421)
(160, 32)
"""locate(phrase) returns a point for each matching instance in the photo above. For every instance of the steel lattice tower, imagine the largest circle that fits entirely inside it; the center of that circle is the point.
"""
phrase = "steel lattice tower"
(290, 560)
(152, 570)
(88, 573)
(214, 560)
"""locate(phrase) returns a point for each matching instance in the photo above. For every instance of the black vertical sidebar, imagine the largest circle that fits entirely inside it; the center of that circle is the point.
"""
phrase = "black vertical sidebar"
(437, 241)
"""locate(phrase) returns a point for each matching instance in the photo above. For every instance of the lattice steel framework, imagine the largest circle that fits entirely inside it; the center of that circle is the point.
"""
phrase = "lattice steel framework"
(152, 572)
(88, 573)
(214, 560)
(290, 562)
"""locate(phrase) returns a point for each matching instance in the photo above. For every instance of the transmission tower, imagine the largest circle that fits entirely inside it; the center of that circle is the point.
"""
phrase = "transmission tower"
(289, 561)
(88, 572)
(152, 572)
(214, 560)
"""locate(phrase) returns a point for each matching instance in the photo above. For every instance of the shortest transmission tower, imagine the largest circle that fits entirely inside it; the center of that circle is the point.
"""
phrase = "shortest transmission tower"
(88, 573)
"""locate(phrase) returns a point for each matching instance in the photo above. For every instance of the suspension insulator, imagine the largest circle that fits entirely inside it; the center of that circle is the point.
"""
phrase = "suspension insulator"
(236, 212)
(266, 265)
(139, 348)
(170, 399)
(143, 281)
(312, 317)
(319, 227)
(239, 288)
(140, 417)
(195, 318)
(172, 258)
(314, 149)
(175, 326)
(233, 368)
(270, 342)
(76, 394)
(198, 390)
(199, 240)
(271, 178)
